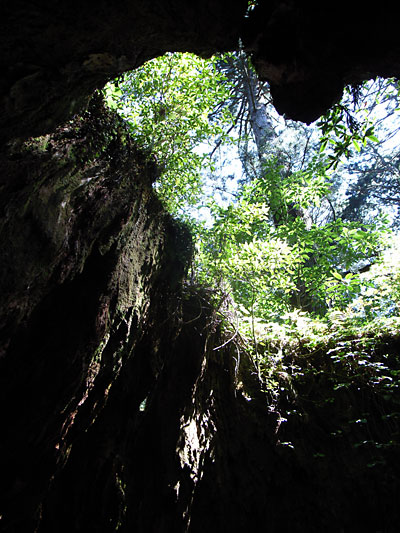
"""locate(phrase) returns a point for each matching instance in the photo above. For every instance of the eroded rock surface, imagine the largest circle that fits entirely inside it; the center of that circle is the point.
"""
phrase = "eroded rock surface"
(86, 250)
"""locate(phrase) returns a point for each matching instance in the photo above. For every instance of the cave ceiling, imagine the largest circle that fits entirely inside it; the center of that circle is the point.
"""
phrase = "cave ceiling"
(53, 55)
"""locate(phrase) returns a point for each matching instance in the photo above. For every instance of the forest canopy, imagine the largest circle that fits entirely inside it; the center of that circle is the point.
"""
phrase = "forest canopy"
(294, 225)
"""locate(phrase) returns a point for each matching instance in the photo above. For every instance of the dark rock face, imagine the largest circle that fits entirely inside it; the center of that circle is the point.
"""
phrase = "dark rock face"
(309, 50)
(87, 249)
(53, 55)
(165, 468)
(117, 412)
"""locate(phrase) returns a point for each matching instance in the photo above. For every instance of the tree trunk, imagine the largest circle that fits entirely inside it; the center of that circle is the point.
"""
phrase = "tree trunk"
(264, 134)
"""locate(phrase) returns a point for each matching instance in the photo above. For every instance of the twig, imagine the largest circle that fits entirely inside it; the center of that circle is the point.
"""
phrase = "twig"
(227, 342)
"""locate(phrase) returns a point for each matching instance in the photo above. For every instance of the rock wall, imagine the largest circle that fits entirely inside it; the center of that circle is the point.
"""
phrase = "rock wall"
(86, 250)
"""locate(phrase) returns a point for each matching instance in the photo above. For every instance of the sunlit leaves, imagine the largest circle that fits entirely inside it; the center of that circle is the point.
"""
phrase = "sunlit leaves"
(169, 104)
(351, 123)
(266, 248)
(268, 265)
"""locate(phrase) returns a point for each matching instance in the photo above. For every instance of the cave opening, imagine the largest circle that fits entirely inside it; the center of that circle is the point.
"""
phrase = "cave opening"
(323, 196)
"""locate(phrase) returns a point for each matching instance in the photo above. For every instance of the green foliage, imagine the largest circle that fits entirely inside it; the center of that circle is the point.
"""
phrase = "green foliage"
(343, 374)
(269, 267)
(343, 129)
(294, 268)
(170, 105)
